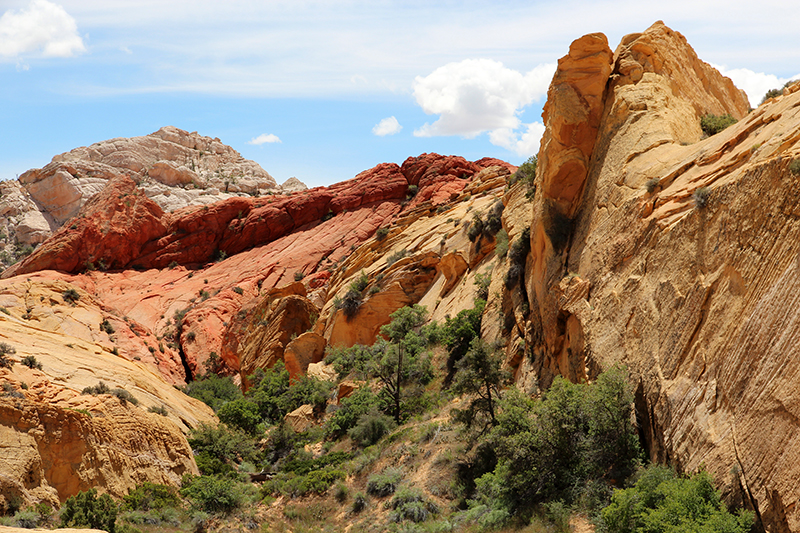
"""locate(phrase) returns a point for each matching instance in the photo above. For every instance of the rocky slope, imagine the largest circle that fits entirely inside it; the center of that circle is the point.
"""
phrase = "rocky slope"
(640, 241)
(173, 167)
(160, 292)
(696, 297)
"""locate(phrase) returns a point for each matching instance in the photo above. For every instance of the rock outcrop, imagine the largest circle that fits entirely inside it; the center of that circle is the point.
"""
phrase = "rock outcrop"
(695, 296)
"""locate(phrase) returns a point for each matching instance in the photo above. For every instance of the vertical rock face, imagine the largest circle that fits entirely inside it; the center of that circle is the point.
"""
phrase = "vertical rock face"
(699, 301)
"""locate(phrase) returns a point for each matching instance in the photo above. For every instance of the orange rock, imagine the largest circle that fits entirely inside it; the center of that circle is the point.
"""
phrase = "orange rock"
(307, 348)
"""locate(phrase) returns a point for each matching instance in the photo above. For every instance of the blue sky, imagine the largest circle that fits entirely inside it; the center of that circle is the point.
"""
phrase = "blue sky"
(322, 90)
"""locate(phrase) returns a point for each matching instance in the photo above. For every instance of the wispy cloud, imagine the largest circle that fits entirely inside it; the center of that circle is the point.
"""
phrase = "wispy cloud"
(42, 29)
(264, 138)
(387, 126)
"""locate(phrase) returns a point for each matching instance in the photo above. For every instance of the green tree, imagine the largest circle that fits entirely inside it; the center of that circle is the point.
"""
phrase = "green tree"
(481, 376)
(458, 333)
(404, 357)
(661, 502)
(241, 413)
(86, 509)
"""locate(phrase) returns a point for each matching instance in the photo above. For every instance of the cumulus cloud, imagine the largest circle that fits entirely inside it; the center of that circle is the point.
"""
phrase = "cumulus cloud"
(387, 126)
(43, 28)
(524, 143)
(481, 95)
(264, 139)
(755, 84)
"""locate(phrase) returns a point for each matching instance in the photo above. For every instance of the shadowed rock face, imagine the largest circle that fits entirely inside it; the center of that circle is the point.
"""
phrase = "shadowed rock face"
(698, 302)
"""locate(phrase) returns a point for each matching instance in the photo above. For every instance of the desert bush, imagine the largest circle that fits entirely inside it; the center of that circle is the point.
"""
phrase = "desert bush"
(213, 390)
(370, 428)
(411, 504)
(382, 233)
(341, 492)
(457, 334)
(546, 448)
(385, 483)
(298, 275)
(475, 228)
(713, 124)
(238, 290)
(700, 197)
(651, 184)
(501, 243)
(106, 326)
(26, 519)
(794, 167)
(479, 375)
(241, 413)
(100, 388)
(349, 304)
(124, 396)
(218, 448)
(31, 362)
(5, 351)
(70, 296)
(351, 409)
(661, 502)
(86, 509)
(359, 503)
(213, 494)
(149, 496)
(159, 410)
(395, 257)
(360, 283)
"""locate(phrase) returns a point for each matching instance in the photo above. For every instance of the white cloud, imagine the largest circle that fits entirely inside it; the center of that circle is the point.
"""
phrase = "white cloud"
(264, 138)
(755, 84)
(387, 126)
(481, 95)
(525, 143)
(43, 28)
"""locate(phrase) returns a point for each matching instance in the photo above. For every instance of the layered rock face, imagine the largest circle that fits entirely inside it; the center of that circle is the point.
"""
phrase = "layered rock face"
(697, 298)
(173, 167)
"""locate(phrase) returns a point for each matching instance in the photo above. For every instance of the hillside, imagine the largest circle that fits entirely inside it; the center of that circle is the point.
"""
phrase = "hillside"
(641, 240)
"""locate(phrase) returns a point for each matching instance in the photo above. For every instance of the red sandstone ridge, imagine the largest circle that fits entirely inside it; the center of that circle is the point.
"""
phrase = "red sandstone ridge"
(124, 229)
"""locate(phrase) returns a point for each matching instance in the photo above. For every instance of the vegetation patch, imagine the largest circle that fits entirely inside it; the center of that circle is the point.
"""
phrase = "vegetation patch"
(713, 124)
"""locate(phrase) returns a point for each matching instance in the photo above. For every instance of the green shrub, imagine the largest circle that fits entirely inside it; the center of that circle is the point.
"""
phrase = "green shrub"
(501, 243)
(293, 485)
(359, 503)
(159, 410)
(713, 124)
(341, 492)
(351, 409)
(385, 483)
(370, 428)
(411, 504)
(238, 290)
(86, 509)
(241, 413)
(5, 351)
(544, 449)
(213, 390)
(27, 519)
(106, 326)
(124, 396)
(382, 233)
(457, 334)
(31, 362)
(395, 257)
(350, 304)
(700, 197)
(70, 296)
(360, 283)
(412, 191)
(660, 502)
(213, 494)
(218, 448)
(149, 496)
(298, 275)
(100, 388)
(772, 93)
(794, 167)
